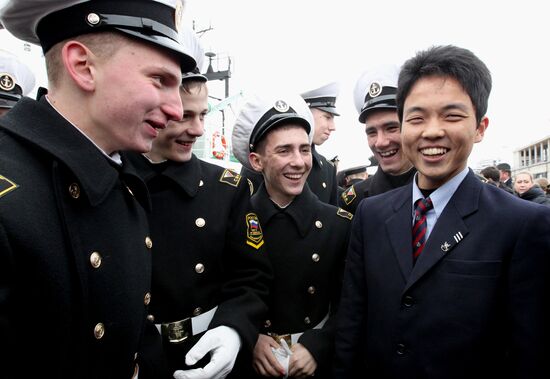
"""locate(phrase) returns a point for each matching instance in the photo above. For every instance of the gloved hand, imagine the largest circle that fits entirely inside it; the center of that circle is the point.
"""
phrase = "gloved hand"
(223, 344)
(283, 354)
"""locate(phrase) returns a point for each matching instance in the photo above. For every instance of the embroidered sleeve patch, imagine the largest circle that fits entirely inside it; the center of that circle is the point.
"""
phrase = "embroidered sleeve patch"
(230, 177)
(349, 195)
(6, 185)
(254, 235)
(343, 213)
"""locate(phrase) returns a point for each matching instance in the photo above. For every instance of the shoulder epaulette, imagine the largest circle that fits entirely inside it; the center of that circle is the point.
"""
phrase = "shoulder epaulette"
(230, 177)
(343, 213)
(6, 185)
(348, 195)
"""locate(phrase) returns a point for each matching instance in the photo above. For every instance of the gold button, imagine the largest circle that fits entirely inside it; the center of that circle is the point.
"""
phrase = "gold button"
(151, 318)
(74, 191)
(99, 331)
(307, 321)
(147, 298)
(318, 224)
(267, 324)
(324, 185)
(200, 222)
(201, 183)
(199, 268)
(197, 311)
(148, 242)
(95, 259)
(311, 290)
(315, 257)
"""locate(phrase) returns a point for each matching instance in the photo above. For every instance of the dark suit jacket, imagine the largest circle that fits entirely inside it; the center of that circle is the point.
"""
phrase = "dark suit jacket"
(472, 306)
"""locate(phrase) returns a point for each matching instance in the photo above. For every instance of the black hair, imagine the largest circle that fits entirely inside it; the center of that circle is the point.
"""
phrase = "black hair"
(447, 61)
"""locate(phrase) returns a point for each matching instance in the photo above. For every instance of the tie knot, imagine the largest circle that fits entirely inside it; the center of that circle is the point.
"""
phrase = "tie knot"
(423, 205)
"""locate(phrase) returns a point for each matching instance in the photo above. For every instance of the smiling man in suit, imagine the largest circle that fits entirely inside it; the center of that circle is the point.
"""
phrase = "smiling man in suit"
(426, 293)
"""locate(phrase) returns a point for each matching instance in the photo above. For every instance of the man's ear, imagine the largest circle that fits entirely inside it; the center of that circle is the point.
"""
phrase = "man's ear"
(79, 62)
(255, 161)
(481, 128)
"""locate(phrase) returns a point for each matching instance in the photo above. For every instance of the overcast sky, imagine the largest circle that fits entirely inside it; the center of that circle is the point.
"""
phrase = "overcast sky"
(297, 45)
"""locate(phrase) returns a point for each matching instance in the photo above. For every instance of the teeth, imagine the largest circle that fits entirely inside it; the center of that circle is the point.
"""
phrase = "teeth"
(386, 154)
(433, 151)
(293, 176)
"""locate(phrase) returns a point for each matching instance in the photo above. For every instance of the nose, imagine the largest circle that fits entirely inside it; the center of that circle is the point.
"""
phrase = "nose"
(171, 106)
(433, 129)
(197, 127)
(331, 125)
(382, 140)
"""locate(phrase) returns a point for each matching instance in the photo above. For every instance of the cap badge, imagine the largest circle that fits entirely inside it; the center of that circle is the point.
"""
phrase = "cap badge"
(178, 14)
(93, 19)
(375, 89)
(281, 106)
(7, 83)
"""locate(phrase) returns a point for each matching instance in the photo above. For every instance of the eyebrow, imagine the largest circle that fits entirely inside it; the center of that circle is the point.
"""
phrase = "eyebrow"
(447, 107)
(384, 125)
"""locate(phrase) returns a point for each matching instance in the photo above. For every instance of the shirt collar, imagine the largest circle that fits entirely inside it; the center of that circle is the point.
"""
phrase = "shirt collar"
(441, 196)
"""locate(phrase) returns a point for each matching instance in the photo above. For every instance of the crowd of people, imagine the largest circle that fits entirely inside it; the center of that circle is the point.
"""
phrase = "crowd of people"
(143, 261)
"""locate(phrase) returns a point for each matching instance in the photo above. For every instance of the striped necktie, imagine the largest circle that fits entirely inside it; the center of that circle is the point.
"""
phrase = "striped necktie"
(420, 225)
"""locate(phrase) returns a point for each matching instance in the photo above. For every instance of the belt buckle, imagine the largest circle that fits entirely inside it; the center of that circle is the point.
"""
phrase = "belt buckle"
(178, 331)
(286, 337)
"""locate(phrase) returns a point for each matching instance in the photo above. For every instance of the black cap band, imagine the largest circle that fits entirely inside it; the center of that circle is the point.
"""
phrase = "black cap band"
(145, 17)
(272, 118)
(386, 100)
(317, 102)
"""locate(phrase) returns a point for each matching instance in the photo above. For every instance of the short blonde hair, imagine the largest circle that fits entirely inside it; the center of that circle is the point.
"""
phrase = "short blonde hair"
(101, 44)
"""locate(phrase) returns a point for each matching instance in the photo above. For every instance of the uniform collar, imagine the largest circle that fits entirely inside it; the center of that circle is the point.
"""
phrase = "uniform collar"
(40, 125)
(186, 175)
(302, 210)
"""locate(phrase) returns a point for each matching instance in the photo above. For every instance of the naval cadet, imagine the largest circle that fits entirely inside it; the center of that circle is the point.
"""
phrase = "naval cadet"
(210, 271)
(16, 80)
(322, 177)
(75, 278)
(306, 238)
(374, 97)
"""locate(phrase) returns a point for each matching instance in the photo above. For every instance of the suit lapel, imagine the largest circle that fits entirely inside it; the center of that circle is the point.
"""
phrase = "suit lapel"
(397, 227)
(450, 229)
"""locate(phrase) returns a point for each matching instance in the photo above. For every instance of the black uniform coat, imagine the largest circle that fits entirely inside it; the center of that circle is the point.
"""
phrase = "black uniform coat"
(74, 247)
(473, 306)
(321, 180)
(202, 257)
(307, 242)
(379, 183)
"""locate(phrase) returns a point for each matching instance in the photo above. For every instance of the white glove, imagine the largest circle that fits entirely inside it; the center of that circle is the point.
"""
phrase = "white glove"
(223, 344)
(283, 354)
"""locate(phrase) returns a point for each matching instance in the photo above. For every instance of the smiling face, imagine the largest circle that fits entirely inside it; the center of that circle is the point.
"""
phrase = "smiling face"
(285, 162)
(136, 94)
(439, 129)
(384, 139)
(175, 143)
(324, 125)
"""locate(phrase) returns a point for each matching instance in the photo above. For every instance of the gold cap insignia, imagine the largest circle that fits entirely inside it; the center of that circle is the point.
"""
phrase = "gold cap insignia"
(375, 89)
(7, 82)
